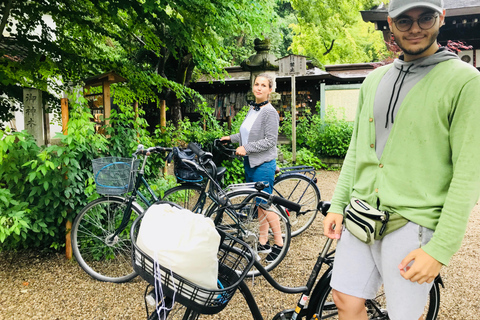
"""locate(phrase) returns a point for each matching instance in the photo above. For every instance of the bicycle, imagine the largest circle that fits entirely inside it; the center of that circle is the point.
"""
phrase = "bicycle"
(315, 301)
(100, 233)
(297, 184)
(235, 208)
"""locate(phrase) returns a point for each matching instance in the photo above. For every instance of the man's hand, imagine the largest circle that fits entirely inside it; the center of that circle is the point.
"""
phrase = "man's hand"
(424, 268)
(332, 225)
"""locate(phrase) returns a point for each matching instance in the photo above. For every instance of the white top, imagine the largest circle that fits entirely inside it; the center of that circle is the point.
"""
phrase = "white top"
(247, 125)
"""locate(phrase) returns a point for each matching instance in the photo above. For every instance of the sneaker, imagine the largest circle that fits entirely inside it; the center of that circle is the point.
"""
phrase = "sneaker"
(274, 254)
(264, 248)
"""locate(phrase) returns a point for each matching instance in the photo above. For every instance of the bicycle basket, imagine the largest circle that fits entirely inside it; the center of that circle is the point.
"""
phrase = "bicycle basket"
(183, 171)
(235, 259)
(114, 175)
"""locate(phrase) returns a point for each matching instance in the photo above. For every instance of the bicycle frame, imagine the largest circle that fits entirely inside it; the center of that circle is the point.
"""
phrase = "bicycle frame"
(325, 257)
(219, 197)
(139, 180)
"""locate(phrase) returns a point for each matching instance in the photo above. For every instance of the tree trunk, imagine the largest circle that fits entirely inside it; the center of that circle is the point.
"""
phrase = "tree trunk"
(183, 75)
(6, 14)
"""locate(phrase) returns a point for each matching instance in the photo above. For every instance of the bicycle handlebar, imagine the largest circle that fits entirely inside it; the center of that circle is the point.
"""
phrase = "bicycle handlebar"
(157, 149)
(286, 203)
(221, 146)
(203, 156)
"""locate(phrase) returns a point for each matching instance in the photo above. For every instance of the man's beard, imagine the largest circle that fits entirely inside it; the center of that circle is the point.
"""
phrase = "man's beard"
(432, 39)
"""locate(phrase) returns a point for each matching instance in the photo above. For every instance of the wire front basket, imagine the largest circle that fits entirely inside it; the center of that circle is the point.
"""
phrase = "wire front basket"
(114, 175)
(235, 259)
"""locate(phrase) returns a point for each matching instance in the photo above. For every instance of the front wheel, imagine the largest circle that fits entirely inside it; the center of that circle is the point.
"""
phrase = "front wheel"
(301, 189)
(102, 256)
(189, 196)
(245, 223)
(376, 308)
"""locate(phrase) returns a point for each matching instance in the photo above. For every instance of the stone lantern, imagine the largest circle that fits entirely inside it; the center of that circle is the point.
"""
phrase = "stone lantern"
(262, 62)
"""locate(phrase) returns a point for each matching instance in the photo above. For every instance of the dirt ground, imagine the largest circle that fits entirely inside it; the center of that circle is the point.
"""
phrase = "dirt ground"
(40, 285)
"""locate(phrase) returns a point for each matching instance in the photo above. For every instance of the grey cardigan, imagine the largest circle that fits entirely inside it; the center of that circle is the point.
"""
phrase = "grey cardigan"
(262, 140)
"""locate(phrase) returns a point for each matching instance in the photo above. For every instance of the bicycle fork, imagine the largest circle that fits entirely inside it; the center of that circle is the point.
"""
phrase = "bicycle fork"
(300, 308)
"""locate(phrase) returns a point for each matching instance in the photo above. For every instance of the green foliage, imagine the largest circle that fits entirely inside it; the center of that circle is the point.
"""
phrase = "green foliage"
(335, 33)
(154, 44)
(329, 137)
(53, 181)
(304, 157)
(14, 220)
(235, 172)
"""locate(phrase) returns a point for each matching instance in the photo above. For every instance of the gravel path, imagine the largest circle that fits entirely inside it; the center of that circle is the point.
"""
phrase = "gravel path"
(42, 285)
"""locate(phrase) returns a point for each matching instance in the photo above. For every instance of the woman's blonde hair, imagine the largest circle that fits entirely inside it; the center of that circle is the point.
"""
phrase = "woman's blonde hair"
(266, 76)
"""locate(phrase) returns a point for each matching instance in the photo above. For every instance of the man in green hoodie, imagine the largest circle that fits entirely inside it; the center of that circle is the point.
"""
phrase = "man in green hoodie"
(414, 152)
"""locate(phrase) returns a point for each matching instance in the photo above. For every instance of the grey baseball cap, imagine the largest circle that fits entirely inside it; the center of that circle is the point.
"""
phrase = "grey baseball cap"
(397, 7)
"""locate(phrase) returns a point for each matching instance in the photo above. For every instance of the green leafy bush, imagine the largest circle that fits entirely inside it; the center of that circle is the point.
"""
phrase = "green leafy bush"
(52, 181)
(235, 172)
(304, 157)
(328, 137)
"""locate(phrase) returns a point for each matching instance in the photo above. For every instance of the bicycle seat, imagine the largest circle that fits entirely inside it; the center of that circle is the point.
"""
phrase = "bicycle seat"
(220, 172)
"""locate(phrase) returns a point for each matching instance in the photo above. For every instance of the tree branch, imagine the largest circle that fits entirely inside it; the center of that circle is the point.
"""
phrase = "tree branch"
(328, 49)
(6, 14)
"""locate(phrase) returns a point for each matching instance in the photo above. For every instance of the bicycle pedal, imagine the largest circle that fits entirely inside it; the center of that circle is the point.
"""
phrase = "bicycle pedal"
(150, 299)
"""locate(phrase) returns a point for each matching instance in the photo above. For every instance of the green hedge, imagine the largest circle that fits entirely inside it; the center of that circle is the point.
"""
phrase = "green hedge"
(43, 187)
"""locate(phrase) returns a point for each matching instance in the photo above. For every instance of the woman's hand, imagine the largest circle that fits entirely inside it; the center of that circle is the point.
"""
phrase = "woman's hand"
(241, 151)
(225, 138)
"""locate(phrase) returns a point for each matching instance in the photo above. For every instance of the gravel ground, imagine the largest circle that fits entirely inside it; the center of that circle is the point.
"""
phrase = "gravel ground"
(44, 285)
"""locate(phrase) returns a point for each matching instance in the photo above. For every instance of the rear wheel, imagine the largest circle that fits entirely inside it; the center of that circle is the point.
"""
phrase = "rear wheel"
(376, 308)
(102, 256)
(245, 225)
(302, 190)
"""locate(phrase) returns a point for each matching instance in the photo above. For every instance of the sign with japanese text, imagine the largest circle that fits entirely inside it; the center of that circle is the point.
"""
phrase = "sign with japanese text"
(33, 113)
(292, 65)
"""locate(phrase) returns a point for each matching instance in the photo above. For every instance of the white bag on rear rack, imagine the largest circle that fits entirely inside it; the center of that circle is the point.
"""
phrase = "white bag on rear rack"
(182, 241)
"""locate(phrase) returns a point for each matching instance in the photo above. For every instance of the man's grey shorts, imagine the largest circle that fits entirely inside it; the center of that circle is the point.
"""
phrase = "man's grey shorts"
(360, 269)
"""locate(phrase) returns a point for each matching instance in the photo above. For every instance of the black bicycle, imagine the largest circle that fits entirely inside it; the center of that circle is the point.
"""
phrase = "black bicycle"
(315, 300)
(235, 208)
(101, 231)
(295, 183)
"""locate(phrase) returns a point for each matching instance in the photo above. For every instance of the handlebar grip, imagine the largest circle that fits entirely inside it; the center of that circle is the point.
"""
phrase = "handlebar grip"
(203, 156)
(162, 149)
(286, 203)
(199, 152)
(323, 206)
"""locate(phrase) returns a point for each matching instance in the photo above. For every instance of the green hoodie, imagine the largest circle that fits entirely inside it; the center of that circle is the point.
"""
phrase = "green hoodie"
(429, 170)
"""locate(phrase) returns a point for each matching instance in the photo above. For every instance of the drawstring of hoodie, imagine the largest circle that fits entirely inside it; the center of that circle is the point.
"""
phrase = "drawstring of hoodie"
(390, 106)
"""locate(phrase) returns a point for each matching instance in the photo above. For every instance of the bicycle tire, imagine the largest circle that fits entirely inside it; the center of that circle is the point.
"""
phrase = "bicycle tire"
(301, 189)
(101, 258)
(245, 226)
(326, 309)
(187, 196)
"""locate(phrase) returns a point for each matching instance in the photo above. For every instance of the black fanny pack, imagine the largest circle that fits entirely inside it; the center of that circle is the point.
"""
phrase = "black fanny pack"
(369, 224)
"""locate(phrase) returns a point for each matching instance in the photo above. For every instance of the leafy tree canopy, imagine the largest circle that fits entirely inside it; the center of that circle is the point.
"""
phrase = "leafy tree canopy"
(333, 32)
(155, 44)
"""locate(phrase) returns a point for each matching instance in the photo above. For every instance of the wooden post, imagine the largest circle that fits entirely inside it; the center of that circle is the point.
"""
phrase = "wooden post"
(68, 243)
(106, 101)
(294, 121)
(163, 125)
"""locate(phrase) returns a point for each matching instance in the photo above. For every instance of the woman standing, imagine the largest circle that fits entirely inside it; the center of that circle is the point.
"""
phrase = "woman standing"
(258, 146)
